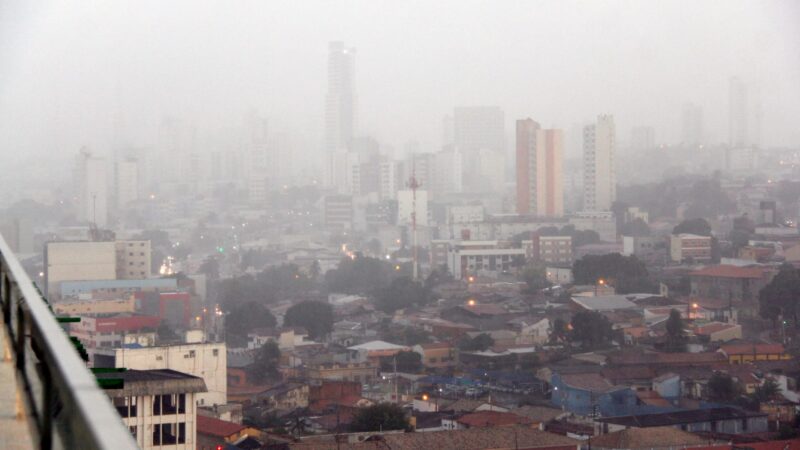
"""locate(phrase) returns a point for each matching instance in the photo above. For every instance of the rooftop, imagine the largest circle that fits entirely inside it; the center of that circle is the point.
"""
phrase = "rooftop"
(377, 346)
(655, 437)
(215, 427)
(680, 417)
(153, 382)
(728, 271)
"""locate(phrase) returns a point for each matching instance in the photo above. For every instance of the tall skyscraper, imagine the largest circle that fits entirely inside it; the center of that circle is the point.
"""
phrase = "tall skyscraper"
(340, 113)
(91, 188)
(479, 134)
(692, 120)
(737, 114)
(599, 175)
(127, 181)
(540, 177)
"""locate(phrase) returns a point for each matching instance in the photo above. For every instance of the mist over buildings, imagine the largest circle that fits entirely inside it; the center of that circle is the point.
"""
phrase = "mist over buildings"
(108, 75)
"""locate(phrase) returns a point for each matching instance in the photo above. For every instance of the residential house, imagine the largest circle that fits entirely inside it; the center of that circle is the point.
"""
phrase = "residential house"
(363, 372)
(437, 355)
(590, 394)
(213, 434)
(285, 396)
(662, 438)
(719, 332)
(726, 420)
(746, 353)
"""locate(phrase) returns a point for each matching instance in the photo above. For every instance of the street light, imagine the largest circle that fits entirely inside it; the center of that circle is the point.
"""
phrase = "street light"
(471, 302)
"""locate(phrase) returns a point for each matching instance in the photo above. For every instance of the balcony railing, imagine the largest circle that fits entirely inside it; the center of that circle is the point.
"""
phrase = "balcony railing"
(66, 407)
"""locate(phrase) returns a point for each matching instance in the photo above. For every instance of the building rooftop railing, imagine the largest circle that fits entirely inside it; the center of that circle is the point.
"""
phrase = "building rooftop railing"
(66, 407)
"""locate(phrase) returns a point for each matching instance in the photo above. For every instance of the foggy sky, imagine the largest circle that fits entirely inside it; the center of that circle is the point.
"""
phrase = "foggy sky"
(70, 70)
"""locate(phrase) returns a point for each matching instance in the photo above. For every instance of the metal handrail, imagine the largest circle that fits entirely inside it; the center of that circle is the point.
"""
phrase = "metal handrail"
(67, 408)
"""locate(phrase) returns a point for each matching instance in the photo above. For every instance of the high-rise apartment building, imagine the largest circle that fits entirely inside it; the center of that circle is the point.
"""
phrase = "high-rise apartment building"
(539, 170)
(737, 113)
(340, 113)
(599, 175)
(692, 121)
(91, 189)
(127, 181)
(479, 134)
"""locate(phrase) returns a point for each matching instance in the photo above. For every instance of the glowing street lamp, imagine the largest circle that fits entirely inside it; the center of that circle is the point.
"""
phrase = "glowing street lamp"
(471, 302)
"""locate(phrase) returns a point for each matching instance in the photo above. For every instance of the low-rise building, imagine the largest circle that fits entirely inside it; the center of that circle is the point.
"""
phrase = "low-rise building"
(205, 360)
(747, 353)
(689, 247)
(106, 333)
(437, 355)
(363, 372)
(285, 396)
(733, 283)
(553, 250)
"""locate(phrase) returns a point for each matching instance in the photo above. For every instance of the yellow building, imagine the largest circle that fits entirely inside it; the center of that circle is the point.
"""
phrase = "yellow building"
(745, 353)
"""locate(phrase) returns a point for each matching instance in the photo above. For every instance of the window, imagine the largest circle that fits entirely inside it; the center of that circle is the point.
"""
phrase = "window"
(215, 352)
(165, 404)
(126, 407)
(132, 429)
(169, 434)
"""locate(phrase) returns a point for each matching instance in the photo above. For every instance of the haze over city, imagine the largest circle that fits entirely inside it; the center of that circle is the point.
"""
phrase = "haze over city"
(360, 225)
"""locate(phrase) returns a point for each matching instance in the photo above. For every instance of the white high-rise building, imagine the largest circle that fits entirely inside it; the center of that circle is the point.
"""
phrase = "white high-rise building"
(479, 134)
(127, 181)
(91, 188)
(389, 180)
(599, 174)
(692, 124)
(340, 113)
(737, 114)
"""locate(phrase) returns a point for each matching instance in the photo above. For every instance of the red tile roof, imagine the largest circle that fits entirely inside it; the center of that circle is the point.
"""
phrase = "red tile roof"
(727, 271)
(492, 419)
(752, 349)
(216, 427)
(485, 309)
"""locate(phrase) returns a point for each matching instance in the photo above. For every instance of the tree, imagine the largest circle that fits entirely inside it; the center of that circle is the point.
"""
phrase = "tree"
(243, 318)
(409, 362)
(360, 275)
(721, 387)
(315, 270)
(316, 317)
(626, 273)
(676, 334)
(479, 343)
(591, 329)
(768, 390)
(266, 361)
(779, 297)
(535, 278)
(438, 276)
(698, 226)
(402, 293)
(380, 417)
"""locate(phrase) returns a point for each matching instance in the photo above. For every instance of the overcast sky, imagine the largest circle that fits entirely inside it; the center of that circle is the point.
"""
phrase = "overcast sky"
(67, 69)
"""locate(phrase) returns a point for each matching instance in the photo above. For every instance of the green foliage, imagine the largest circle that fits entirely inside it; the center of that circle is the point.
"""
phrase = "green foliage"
(244, 318)
(722, 388)
(768, 390)
(380, 417)
(676, 333)
(402, 293)
(780, 296)
(626, 273)
(535, 278)
(479, 343)
(698, 226)
(272, 284)
(361, 275)
(408, 362)
(266, 362)
(316, 317)
(707, 199)
(438, 276)
(591, 329)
